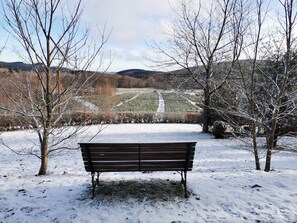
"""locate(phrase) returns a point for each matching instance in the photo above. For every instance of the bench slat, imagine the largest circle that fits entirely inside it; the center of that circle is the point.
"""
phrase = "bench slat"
(141, 148)
(135, 156)
(165, 148)
(165, 156)
(132, 169)
(93, 149)
(117, 169)
(134, 166)
(113, 156)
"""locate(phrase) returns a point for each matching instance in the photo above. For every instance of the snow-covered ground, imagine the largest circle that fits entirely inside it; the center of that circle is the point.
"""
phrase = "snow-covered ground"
(224, 185)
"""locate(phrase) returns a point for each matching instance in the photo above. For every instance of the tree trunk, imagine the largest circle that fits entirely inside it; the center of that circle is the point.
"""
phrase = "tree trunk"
(206, 112)
(256, 155)
(255, 146)
(44, 155)
(268, 153)
(257, 160)
(47, 126)
(270, 142)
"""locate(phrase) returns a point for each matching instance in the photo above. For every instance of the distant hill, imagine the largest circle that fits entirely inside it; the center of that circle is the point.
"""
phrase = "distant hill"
(20, 66)
(138, 73)
(16, 66)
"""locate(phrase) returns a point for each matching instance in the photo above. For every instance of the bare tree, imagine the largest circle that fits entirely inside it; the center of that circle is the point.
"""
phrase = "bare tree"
(282, 97)
(205, 40)
(264, 93)
(50, 34)
(239, 105)
(2, 48)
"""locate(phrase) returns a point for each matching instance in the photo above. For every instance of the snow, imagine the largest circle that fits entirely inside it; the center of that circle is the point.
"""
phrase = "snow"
(223, 184)
(134, 90)
(161, 105)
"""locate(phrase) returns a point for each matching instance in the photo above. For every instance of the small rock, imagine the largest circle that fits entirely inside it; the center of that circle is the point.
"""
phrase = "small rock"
(22, 191)
(256, 186)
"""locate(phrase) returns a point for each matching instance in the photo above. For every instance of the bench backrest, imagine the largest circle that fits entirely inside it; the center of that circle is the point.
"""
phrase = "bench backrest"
(114, 157)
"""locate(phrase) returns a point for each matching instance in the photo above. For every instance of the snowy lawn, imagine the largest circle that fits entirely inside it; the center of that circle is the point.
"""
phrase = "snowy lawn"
(224, 186)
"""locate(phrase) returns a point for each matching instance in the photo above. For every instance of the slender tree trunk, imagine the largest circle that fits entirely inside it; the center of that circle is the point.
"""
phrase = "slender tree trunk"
(44, 147)
(48, 123)
(268, 153)
(255, 146)
(206, 112)
(254, 126)
(44, 155)
(270, 143)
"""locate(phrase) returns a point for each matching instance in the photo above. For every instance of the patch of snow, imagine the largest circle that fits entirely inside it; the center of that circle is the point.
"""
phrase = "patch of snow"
(134, 90)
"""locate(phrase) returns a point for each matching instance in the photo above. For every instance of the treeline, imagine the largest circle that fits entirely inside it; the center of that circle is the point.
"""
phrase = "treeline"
(121, 81)
(158, 80)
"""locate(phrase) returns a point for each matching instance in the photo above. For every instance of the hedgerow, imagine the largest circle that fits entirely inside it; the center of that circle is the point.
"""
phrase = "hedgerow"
(10, 123)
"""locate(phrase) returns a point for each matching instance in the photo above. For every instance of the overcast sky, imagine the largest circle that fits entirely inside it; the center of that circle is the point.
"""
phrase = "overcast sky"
(133, 22)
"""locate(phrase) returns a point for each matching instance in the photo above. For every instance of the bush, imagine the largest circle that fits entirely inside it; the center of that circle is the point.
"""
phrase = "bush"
(193, 117)
(219, 128)
(8, 122)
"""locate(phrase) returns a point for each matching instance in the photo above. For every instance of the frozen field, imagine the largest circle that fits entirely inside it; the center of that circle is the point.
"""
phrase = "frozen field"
(224, 186)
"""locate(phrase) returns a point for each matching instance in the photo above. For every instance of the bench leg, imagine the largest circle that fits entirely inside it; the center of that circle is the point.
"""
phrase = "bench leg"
(94, 182)
(184, 182)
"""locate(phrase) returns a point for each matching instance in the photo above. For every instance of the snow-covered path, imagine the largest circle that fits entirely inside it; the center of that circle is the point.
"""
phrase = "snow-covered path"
(223, 183)
(190, 101)
(161, 106)
(130, 99)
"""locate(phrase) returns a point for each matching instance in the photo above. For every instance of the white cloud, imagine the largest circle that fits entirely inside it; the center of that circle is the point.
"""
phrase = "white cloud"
(132, 23)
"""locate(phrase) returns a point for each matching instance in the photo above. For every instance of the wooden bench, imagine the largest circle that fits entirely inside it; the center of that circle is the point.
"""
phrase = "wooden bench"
(119, 157)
